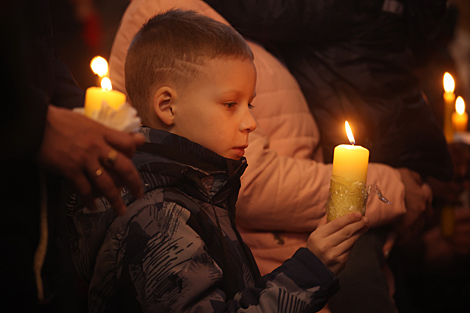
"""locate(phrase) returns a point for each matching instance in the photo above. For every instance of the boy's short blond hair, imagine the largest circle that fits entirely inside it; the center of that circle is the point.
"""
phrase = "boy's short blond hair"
(171, 47)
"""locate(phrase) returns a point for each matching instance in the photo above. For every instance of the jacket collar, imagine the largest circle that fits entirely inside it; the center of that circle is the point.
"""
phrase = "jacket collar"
(169, 160)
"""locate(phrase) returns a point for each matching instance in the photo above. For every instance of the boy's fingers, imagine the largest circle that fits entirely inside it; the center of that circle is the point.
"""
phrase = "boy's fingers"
(353, 230)
(323, 221)
(346, 244)
(340, 222)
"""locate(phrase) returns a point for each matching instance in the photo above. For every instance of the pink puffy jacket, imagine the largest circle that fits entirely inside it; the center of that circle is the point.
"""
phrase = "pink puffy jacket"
(285, 186)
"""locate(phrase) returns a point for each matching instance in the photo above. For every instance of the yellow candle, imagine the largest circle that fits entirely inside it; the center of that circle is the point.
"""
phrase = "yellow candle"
(460, 117)
(351, 161)
(95, 96)
(348, 180)
(449, 97)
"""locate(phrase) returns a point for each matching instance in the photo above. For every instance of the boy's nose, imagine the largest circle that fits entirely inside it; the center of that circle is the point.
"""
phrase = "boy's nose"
(248, 122)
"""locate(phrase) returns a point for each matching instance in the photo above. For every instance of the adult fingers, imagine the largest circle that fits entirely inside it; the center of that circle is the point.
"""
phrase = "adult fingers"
(124, 142)
(83, 188)
(123, 172)
(105, 185)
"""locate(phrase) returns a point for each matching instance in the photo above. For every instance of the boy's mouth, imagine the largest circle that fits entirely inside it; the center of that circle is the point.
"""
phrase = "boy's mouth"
(240, 151)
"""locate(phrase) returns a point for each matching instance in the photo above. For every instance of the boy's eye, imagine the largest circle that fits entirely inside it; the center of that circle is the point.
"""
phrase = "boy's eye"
(230, 104)
(250, 106)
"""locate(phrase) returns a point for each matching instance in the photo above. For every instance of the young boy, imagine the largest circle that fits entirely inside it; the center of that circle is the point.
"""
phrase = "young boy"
(177, 249)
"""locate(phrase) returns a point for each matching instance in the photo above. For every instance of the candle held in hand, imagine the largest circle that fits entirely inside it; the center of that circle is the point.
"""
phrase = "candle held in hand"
(95, 96)
(348, 179)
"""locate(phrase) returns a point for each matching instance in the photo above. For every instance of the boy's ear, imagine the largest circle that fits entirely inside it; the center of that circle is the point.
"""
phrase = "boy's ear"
(163, 101)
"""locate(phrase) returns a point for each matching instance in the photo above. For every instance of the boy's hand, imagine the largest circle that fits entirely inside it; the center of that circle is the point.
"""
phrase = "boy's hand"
(331, 242)
(94, 158)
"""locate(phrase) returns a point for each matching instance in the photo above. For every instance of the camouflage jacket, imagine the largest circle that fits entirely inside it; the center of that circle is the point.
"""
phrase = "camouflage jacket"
(177, 248)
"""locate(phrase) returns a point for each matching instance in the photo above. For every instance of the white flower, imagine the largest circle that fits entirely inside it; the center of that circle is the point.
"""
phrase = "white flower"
(123, 118)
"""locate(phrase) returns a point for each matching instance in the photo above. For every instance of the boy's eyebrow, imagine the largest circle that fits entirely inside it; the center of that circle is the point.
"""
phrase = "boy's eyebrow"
(237, 93)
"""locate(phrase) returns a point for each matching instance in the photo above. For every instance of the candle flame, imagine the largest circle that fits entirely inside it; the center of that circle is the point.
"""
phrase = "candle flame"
(99, 66)
(349, 133)
(449, 84)
(106, 83)
(459, 105)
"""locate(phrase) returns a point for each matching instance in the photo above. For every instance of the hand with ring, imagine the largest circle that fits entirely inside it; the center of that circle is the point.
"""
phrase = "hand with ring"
(94, 158)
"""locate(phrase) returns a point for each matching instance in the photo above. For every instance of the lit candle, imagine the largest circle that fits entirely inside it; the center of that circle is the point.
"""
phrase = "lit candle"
(460, 117)
(95, 96)
(348, 179)
(449, 98)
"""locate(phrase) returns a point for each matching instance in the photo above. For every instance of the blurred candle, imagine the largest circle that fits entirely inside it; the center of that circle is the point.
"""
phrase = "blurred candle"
(349, 175)
(95, 96)
(447, 221)
(460, 117)
(99, 66)
(449, 98)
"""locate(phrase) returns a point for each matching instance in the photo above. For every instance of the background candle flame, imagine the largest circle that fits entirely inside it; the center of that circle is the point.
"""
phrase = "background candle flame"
(449, 84)
(349, 133)
(459, 105)
(106, 83)
(99, 66)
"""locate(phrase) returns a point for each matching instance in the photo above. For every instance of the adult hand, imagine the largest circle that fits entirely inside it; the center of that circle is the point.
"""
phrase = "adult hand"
(94, 158)
(331, 242)
(418, 197)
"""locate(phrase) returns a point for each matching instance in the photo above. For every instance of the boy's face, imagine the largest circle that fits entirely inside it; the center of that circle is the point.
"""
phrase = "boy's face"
(214, 110)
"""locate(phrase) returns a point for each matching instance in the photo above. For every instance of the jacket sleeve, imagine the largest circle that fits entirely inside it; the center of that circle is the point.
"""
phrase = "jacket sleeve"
(151, 260)
(301, 284)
